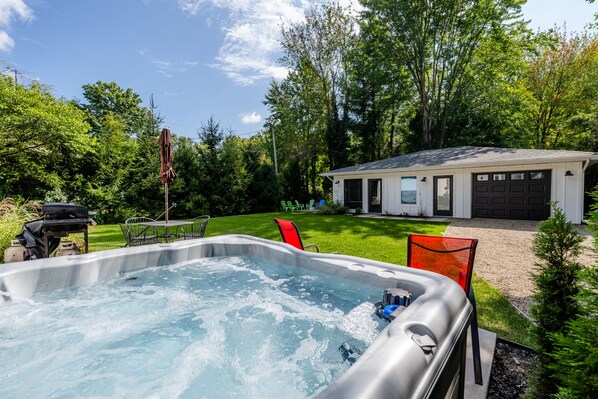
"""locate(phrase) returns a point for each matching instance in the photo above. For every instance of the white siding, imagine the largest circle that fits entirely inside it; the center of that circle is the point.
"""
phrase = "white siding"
(567, 190)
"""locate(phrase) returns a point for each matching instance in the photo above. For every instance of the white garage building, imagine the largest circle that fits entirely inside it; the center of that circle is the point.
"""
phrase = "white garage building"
(468, 182)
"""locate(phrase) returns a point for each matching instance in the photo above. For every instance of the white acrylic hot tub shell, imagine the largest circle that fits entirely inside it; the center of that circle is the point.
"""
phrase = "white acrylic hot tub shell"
(394, 366)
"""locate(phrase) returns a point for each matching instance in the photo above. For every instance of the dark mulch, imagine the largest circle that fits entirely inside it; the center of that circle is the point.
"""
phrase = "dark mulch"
(512, 366)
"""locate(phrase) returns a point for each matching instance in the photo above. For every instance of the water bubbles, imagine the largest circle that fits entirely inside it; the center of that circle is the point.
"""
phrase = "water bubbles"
(234, 327)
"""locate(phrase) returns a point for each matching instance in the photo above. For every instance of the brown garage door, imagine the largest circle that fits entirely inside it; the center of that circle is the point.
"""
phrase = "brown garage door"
(511, 195)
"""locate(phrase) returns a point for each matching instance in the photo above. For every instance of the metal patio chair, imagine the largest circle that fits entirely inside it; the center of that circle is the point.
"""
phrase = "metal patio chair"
(195, 230)
(290, 234)
(451, 257)
(136, 234)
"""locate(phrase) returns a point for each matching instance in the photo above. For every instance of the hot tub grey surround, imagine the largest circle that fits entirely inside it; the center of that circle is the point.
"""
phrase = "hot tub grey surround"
(407, 360)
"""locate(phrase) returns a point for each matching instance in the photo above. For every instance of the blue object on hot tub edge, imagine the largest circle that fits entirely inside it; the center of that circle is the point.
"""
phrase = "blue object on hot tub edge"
(420, 354)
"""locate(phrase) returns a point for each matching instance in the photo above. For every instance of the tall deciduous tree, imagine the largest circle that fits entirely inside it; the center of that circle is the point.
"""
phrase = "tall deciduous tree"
(299, 125)
(563, 81)
(378, 96)
(436, 41)
(321, 48)
(37, 134)
(116, 118)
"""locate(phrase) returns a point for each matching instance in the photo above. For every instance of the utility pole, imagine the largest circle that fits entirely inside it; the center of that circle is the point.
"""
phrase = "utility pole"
(274, 143)
(13, 70)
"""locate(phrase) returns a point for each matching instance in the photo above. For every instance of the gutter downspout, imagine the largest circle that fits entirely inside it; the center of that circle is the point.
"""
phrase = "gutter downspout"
(332, 181)
(583, 186)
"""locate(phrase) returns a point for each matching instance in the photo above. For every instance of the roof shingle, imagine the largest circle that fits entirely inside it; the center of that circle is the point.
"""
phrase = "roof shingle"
(467, 157)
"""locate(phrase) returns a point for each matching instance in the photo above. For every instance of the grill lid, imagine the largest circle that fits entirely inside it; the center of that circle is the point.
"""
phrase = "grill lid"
(62, 211)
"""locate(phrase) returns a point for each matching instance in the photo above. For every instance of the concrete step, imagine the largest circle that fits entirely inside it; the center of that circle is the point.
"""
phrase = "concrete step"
(487, 345)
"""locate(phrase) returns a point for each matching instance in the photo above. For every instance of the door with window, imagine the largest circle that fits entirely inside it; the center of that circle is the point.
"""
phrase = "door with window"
(375, 195)
(443, 195)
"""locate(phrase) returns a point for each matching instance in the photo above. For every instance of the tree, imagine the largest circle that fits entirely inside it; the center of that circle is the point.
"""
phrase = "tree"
(190, 189)
(144, 191)
(378, 94)
(436, 41)
(563, 81)
(221, 179)
(320, 48)
(263, 192)
(110, 99)
(38, 134)
(116, 118)
(299, 126)
(574, 363)
(494, 106)
(557, 244)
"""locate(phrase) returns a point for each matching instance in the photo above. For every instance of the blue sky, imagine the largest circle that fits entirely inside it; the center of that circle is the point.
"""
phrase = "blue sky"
(197, 57)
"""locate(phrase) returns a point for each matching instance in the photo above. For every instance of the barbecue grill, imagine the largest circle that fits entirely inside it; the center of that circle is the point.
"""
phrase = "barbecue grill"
(60, 220)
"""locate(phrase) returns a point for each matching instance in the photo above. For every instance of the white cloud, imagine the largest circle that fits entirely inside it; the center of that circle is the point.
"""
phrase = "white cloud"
(167, 68)
(9, 9)
(251, 34)
(6, 42)
(249, 118)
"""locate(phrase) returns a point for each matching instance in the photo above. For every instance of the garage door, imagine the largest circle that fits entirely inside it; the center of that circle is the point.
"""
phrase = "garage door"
(512, 195)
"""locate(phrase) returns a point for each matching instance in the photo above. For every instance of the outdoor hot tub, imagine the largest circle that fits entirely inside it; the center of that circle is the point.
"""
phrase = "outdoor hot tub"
(420, 354)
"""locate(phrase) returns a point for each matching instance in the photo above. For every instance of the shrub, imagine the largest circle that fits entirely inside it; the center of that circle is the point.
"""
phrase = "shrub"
(333, 209)
(557, 244)
(358, 211)
(13, 213)
(575, 359)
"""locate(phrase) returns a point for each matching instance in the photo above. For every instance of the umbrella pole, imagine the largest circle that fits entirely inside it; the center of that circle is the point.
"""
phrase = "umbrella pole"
(166, 200)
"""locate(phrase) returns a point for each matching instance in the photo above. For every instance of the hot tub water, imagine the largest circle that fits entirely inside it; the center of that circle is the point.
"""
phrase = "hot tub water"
(225, 327)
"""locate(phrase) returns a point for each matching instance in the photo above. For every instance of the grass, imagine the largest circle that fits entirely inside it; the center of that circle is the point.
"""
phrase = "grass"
(379, 239)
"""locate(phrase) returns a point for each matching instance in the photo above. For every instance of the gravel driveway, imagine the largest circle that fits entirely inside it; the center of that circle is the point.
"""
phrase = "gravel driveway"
(504, 256)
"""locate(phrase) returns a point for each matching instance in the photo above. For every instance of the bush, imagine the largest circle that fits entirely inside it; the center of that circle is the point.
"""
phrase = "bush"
(557, 244)
(13, 213)
(575, 359)
(358, 211)
(333, 209)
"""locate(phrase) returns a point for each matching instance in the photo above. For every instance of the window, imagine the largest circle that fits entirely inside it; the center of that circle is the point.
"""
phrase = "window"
(482, 177)
(409, 190)
(517, 176)
(536, 175)
(499, 176)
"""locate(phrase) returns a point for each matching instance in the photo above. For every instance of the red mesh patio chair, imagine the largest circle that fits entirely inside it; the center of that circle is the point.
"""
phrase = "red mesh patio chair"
(451, 257)
(290, 234)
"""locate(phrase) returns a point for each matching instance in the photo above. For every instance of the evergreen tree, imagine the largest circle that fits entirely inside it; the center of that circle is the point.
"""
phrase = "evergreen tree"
(576, 359)
(557, 244)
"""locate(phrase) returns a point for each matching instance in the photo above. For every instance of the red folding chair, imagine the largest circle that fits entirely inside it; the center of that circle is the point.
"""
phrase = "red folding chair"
(451, 257)
(290, 234)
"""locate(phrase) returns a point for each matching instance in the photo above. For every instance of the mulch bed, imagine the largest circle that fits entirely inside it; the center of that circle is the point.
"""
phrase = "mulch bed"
(512, 366)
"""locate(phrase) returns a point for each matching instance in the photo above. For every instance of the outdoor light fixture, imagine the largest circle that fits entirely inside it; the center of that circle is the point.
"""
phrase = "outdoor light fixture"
(568, 173)
(337, 182)
(424, 179)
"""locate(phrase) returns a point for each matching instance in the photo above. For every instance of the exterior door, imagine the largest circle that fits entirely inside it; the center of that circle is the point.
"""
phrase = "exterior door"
(375, 195)
(443, 195)
(352, 191)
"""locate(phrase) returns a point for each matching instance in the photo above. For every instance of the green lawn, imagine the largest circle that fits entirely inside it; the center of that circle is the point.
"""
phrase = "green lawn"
(379, 239)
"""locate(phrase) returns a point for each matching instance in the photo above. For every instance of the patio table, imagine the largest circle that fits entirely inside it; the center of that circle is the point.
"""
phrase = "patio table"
(166, 225)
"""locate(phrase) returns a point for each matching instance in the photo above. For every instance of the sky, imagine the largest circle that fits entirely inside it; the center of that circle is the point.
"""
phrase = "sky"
(198, 58)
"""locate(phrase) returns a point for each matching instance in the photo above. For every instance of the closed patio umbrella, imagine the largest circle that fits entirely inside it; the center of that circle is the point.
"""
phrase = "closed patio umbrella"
(167, 174)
